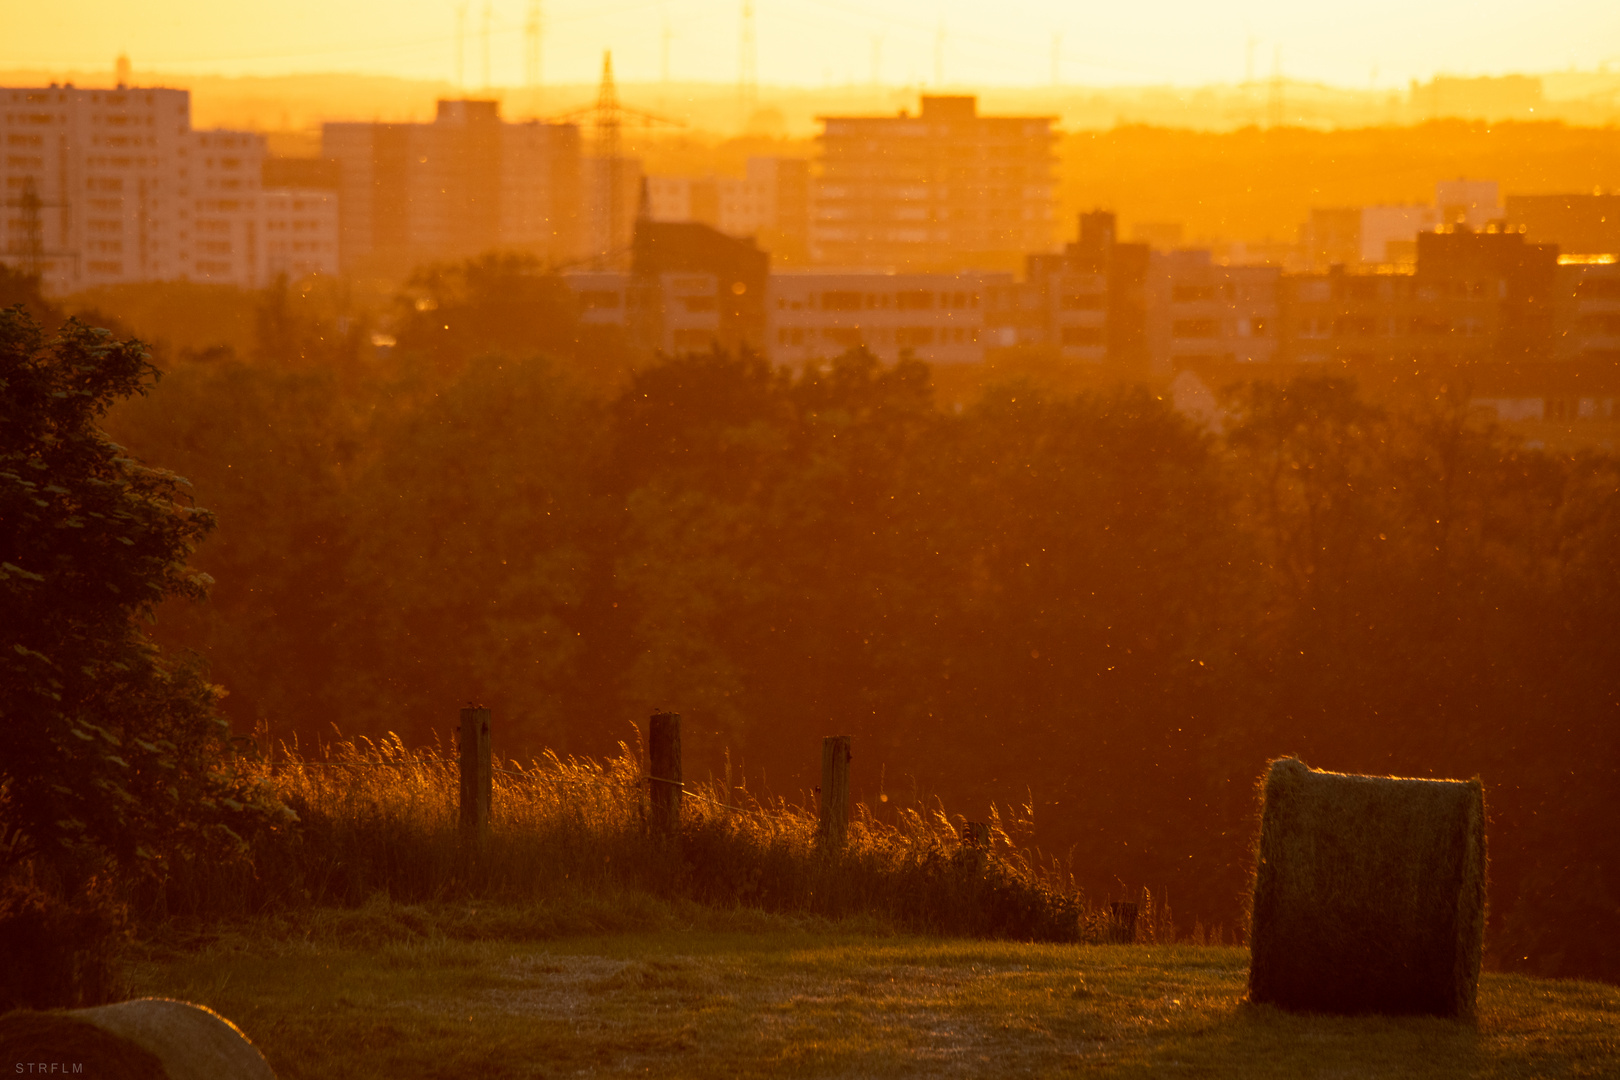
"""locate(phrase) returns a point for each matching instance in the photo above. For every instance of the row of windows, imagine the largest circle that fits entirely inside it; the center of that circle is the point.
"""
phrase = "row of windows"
(904, 336)
(1254, 326)
(1357, 326)
(1368, 288)
(1364, 326)
(863, 236)
(900, 300)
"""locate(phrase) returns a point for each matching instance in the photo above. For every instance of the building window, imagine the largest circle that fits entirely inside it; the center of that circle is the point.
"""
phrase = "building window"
(597, 299)
(1083, 302)
(1195, 328)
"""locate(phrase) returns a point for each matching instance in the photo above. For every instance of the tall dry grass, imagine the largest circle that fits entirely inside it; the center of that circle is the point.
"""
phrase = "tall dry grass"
(382, 819)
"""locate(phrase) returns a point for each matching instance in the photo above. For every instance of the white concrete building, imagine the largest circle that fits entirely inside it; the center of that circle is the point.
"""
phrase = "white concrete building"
(605, 297)
(1475, 203)
(771, 204)
(300, 233)
(94, 191)
(673, 313)
(814, 315)
(220, 171)
(106, 187)
(737, 207)
(1389, 233)
(1199, 311)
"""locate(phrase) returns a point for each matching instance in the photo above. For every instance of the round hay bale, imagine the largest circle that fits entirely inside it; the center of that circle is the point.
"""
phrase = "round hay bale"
(1369, 893)
(59, 1043)
(145, 1039)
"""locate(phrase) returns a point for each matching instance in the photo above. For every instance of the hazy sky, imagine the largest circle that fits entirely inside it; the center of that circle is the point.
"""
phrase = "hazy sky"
(813, 42)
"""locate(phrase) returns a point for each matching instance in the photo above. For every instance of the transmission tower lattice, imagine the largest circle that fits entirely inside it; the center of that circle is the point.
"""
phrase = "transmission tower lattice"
(531, 46)
(747, 67)
(30, 250)
(607, 119)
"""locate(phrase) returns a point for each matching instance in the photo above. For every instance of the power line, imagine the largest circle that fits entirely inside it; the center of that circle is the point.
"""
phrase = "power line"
(32, 248)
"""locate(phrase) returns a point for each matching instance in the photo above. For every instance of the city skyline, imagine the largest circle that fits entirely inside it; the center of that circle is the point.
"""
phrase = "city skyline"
(821, 42)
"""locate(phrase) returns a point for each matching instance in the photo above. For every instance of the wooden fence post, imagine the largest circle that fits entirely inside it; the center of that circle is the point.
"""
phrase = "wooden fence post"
(835, 758)
(664, 772)
(1122, 923)
(477, 777)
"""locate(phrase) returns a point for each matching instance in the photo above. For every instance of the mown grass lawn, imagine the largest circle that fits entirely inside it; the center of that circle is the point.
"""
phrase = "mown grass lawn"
(762, 997)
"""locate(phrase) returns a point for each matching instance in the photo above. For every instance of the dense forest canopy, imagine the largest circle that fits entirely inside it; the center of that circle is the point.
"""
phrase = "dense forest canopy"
(1078, 602)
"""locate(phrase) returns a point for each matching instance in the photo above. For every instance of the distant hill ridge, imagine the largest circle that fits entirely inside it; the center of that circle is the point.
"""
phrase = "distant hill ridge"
(303, 101)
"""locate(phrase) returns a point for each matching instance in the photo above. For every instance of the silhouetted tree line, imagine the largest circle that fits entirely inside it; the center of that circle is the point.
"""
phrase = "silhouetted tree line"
(1080, 603)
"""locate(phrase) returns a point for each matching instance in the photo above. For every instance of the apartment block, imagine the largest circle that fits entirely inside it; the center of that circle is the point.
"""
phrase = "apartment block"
(1587, 298)
(690, 288)
(464, 184)
(1203, 311)
(299, 234)
(95, 184)
(938, 318)
(106, 187)
(735, 206)
(946, 189)
(225, 171)
(1086, 304)
(1387, 235)
(771, 203)
(1580, 224)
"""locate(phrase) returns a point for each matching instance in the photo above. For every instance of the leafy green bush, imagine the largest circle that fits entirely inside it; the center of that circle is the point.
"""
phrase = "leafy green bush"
(58, 954)
(107, 748)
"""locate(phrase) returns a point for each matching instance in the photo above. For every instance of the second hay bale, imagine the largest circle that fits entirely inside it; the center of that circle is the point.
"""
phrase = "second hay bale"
(1369, 893)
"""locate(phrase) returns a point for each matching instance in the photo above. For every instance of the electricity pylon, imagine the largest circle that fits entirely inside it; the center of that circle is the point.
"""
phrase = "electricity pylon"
(607, 119)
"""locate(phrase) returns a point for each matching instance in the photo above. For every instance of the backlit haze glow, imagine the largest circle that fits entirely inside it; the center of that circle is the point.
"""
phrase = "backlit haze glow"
(1376, 43)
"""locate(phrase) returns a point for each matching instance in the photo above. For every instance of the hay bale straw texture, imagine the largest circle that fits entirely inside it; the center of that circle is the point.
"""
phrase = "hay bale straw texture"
(1369, 893)
(146, 1039)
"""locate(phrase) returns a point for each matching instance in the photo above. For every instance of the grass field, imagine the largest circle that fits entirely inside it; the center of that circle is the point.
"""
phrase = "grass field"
(602, 988)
